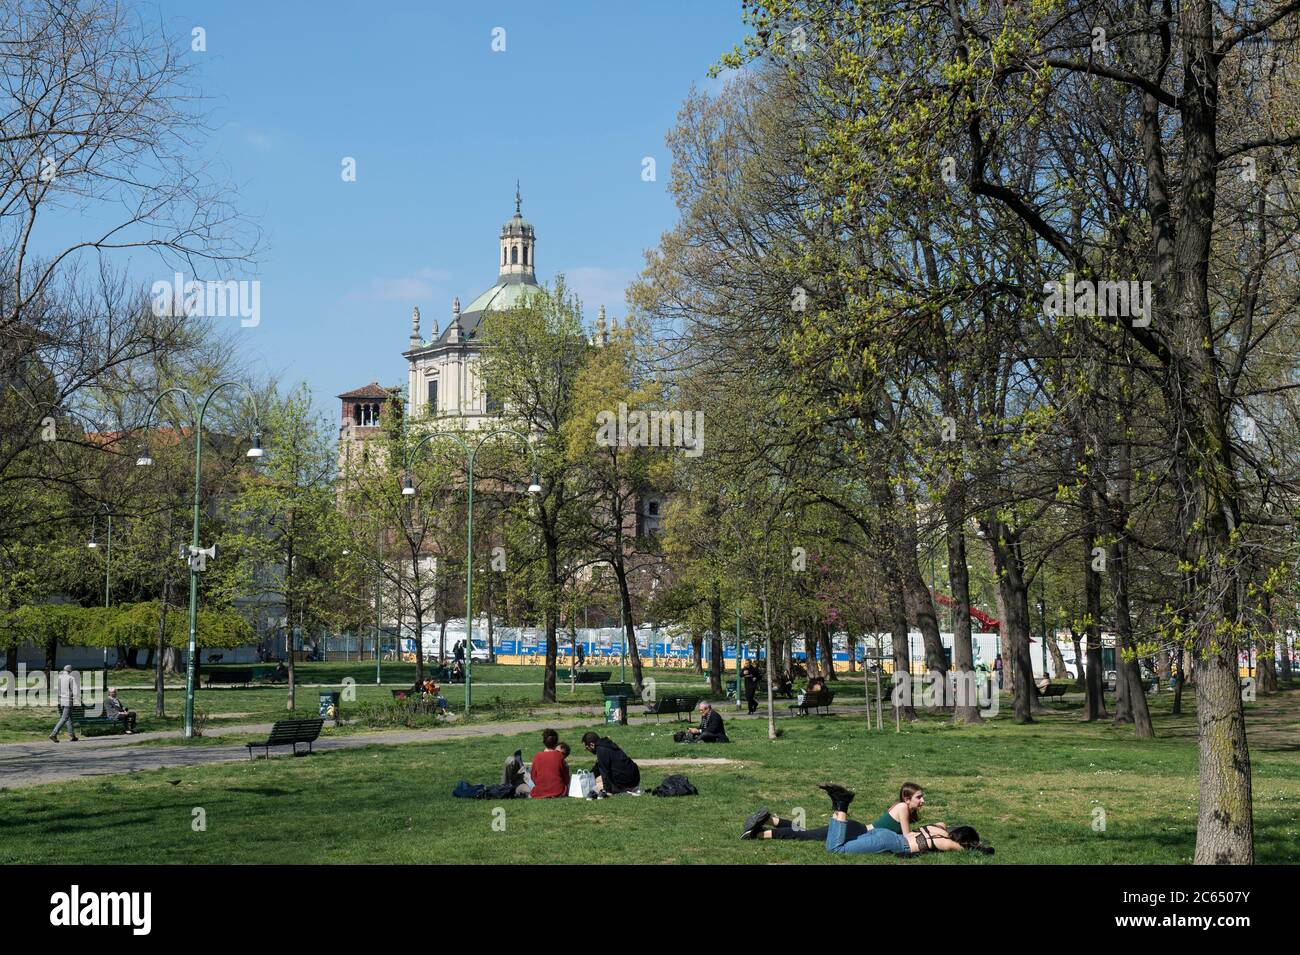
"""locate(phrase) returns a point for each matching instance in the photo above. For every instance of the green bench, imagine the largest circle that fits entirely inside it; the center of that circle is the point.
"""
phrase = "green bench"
(666, 705)
(290, 733)
(79, 718)
(1052, 689)
(265, 674)
(227, 675)
(818, 699)
(617, 689)
(593, 676)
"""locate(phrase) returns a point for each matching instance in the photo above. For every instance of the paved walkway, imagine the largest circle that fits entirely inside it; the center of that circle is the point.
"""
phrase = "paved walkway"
(34, 764)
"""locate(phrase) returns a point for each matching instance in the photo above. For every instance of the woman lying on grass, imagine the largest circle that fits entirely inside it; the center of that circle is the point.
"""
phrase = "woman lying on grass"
(890, 832)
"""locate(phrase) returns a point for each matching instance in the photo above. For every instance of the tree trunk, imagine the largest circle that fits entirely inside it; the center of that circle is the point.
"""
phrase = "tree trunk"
(1015, 597)
(771, 702)
(718, 661)
(553, 592)
(1058, 661)
(629, 625)
(1094, 699)
(1164, 666)
(966, 705)
(1130, 695)
(1225, 823)
(160, 659)
(901, 697)
(921, 602)
(1265, 670)
(828, 650)
(1179, 681)
(697, 651)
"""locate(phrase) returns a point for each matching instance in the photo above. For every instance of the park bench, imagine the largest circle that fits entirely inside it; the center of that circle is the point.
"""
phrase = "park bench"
(673, 704)
(228, 674)
(290, 733)
(269, 675)
(817, 699)
(1052, 689)
(594, 676)
(617, 689)
(79, 718)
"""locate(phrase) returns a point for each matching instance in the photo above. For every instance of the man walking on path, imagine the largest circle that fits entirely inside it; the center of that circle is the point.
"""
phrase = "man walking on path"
(750, 677)
(69, 696)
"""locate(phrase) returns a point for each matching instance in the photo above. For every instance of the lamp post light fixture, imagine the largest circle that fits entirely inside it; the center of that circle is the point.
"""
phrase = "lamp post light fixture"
(194, 557)
(108, 563)
(408, 490)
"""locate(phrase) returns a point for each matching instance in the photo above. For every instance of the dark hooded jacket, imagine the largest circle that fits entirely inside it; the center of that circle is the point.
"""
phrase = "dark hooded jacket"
(615, 767)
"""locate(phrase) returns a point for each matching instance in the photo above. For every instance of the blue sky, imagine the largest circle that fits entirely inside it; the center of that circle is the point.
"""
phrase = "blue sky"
(440, 127)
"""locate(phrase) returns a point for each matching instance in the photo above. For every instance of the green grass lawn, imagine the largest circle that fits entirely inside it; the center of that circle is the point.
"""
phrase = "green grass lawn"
(1033, 792)
(501, 692)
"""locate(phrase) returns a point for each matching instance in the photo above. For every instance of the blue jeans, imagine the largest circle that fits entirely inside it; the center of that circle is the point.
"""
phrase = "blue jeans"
(872, 841)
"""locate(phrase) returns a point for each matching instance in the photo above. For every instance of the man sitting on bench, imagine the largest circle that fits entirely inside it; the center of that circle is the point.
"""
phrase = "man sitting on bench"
(710, 729)
(115, 709)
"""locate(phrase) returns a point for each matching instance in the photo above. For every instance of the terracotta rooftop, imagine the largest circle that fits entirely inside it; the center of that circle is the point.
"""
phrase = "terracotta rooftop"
(372, 390)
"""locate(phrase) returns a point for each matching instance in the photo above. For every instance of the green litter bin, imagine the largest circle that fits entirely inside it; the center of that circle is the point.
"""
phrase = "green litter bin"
(329, 705)
(616, 710)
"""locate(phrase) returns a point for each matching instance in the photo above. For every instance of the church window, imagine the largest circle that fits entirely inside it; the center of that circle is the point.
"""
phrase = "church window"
(514, 255)
(432, 404)
(503, 256)
(525, 255)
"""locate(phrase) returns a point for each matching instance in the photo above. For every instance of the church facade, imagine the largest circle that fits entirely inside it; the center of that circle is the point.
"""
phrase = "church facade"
(442, 370)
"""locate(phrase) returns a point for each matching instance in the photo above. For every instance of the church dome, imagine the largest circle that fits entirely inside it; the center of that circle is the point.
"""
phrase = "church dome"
(516, 225)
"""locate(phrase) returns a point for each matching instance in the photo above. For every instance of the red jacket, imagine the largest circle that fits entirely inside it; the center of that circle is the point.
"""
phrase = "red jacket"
(550, 775)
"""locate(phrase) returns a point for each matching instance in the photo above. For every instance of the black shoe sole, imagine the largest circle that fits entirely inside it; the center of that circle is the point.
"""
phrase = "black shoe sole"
(754, 823)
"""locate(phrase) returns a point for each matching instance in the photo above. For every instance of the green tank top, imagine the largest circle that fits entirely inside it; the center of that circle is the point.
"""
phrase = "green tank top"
(886, 821)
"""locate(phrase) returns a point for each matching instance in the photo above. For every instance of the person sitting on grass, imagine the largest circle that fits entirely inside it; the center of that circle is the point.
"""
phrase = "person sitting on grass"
(115, 709)
(615, 771)
(431, 689)
(710, 729)
(891, 831)
(564, 748)
(549, 771)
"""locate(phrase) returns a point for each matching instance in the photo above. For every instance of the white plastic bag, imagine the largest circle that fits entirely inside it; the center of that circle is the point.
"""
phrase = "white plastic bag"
(582, 785)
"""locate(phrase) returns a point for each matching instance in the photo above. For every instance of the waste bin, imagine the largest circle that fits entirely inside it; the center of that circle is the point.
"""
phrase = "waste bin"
(329, 705)
(616, 710)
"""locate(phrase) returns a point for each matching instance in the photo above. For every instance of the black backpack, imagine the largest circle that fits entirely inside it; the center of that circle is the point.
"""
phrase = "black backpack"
(675, 785)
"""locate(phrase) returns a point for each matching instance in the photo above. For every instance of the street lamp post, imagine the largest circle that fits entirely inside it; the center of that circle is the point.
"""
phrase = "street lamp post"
(408, 489)
(196, 558)
(108, 565)
(738, 655)
(379, 596)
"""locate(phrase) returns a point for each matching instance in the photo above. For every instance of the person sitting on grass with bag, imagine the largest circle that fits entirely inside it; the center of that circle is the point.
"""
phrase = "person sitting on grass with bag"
(615, 771)
(549, 771)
